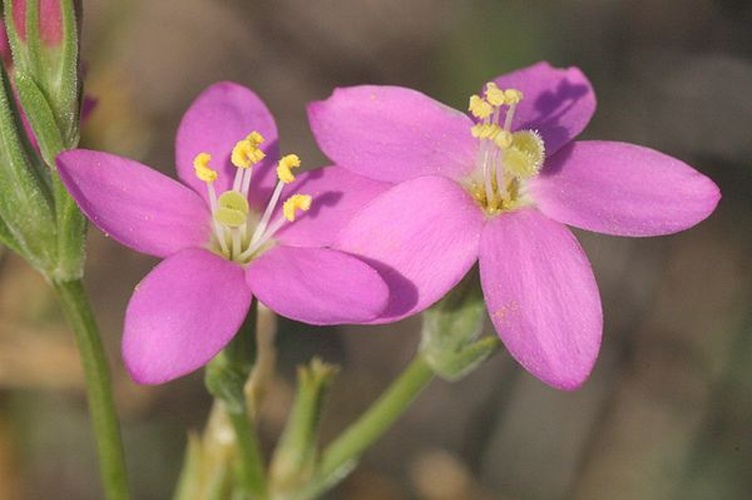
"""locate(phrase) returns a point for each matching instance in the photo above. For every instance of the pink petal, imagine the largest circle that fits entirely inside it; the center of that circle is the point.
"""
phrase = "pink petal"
(422, 235)
(541, 296)
(392, 133)
(136, 205)
(182, 314)
(623, 189)
(337, 194)
(557, 102)
(222, 115)
(317, 285)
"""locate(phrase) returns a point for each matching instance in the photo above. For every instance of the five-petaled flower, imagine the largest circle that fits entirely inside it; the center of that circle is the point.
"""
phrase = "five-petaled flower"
(222, 243)
(497, 187)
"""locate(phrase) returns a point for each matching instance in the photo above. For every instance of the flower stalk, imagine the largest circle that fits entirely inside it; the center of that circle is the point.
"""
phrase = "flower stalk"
(38, 218)
(294, 462)
(342, 455)
(75, 305)
(226, 378)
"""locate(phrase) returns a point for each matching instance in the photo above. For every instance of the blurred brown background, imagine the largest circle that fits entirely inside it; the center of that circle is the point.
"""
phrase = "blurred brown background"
(667, 413)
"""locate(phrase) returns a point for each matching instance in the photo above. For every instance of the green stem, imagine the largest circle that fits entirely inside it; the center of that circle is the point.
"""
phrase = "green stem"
(78, 312)
(251, 465)
(342, 454)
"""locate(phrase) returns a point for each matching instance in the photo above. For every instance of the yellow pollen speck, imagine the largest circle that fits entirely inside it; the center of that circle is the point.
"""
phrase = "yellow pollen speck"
(479, 107)
(494, 95)
(202, 168)
(294, 203)
(285, 166)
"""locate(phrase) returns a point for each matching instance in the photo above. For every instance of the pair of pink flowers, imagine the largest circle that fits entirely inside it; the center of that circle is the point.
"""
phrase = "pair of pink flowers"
(420, 193)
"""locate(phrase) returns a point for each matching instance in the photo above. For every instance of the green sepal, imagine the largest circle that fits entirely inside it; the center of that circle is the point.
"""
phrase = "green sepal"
(206, 471)
(40, 116)
(26, 200)
(224, 380)
(226, 374)
(71, 240)
(451, 327)
(70, 222)
(7, 239)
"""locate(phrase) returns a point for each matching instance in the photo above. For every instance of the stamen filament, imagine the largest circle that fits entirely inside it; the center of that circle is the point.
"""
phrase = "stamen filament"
(236, 183)
(235, 234)
(212, 197)
(246, 184)
(257, 243)
(500, 182)
(261, 228)
(488, 172)
(510, 115)
(219, 233)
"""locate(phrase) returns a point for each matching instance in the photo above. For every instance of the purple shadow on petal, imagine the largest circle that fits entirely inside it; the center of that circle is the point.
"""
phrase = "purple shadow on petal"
(403, 293)
(557, 102)
(337, 194)
(422, 235)
(182, 314)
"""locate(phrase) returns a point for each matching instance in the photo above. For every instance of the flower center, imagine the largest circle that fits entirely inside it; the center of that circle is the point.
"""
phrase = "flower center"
(238, 233)
(505, 159)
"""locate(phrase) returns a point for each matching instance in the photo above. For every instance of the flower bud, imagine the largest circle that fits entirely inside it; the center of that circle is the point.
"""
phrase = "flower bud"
(451, 327)
(50, 20)
(44, 36)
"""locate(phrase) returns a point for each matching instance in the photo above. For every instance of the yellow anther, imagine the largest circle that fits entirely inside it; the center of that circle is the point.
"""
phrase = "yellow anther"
(482, 130)
(294, 203)
(202, 168)
(246, 152)
(502, 138)
(494, 95)
(512, 96)
(255, 138)
(493, 132)
(285, 166)
(479, 107)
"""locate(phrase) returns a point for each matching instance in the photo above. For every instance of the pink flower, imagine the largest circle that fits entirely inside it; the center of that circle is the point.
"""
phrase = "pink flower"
(498, 188)
(222, 243)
